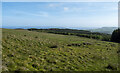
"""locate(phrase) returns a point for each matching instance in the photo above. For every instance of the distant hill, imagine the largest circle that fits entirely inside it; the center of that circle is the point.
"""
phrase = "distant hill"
(107, 30)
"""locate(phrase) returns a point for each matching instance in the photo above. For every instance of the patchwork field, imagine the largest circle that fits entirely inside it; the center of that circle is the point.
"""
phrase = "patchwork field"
(25, 50)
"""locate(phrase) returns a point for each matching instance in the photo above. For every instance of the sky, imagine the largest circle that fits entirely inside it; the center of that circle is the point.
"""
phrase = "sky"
(60, 14)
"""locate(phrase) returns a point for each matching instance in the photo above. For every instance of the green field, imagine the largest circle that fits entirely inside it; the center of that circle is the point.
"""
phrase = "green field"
(25, 50)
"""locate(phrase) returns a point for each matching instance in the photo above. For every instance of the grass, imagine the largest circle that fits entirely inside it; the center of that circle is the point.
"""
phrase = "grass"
(38, 51)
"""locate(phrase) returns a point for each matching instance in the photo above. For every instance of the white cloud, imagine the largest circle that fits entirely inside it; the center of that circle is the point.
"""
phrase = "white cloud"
(51, 5)
(55, 4)
(43, 14)
(66, 8)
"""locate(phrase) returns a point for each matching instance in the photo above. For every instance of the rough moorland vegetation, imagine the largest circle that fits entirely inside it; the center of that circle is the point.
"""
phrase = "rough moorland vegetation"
(25, 50)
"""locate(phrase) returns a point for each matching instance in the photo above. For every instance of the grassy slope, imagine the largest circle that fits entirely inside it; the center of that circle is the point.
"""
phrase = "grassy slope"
(31, 51)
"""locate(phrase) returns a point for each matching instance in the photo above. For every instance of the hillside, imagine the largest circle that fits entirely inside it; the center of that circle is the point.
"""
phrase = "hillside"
(75, 32)
(39, 51)
(107, 30)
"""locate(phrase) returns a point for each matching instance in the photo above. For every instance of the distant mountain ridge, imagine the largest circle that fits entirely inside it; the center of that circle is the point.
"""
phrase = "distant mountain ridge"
(107, 30)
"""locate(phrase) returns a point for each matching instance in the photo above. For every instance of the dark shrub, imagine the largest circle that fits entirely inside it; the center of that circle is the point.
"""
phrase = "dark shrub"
(36, 37)
(25, 35)
(111, 67)
(54, 46)
(34, 65)
(116, 36)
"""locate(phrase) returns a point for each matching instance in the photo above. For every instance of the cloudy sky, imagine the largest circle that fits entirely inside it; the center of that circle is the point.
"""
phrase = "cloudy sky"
(61, 14)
